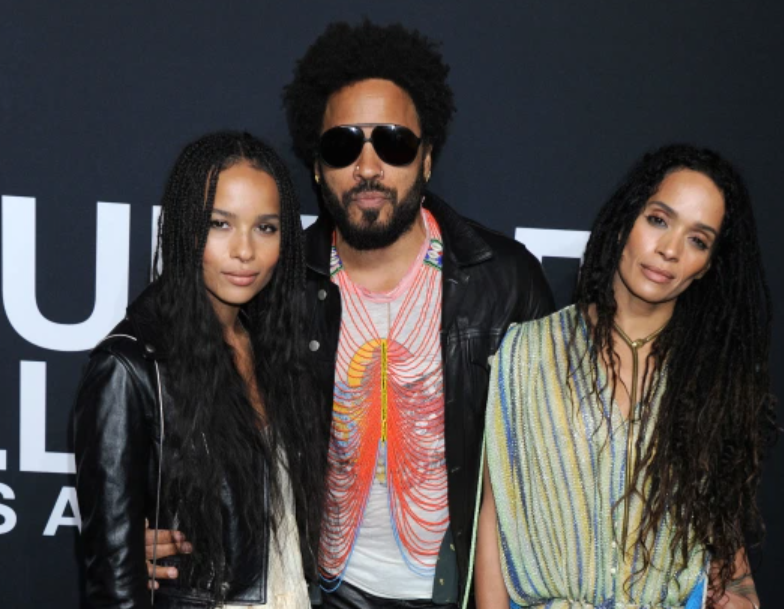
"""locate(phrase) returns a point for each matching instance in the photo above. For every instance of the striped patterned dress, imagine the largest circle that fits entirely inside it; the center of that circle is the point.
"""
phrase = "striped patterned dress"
(556, 453)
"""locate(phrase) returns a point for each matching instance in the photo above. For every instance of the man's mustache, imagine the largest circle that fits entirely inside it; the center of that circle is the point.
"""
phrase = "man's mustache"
(370, 186)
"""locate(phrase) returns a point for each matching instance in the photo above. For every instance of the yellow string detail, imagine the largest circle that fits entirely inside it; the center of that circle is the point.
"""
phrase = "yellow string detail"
(384, 396)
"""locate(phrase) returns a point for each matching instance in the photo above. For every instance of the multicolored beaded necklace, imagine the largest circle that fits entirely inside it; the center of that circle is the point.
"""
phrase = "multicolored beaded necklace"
(388, 418)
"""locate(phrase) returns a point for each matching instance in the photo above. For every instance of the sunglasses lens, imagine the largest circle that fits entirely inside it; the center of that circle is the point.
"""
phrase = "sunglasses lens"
(340, 146)
(395, 145)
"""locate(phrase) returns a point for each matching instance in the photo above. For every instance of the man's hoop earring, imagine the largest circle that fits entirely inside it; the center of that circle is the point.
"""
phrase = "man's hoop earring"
(317, 178)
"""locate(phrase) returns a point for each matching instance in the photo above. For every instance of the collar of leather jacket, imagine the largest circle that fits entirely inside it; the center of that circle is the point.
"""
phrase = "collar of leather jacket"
(465, 246)
(146, 324)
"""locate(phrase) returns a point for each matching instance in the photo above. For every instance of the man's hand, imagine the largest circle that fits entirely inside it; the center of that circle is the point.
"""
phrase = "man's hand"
(169, 544)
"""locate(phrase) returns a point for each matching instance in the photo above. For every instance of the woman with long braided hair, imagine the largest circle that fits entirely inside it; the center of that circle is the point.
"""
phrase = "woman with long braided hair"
(196, 412)
(625, 433)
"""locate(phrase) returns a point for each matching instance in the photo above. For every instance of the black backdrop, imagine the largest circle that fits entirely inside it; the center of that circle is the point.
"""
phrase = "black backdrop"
(555, 100)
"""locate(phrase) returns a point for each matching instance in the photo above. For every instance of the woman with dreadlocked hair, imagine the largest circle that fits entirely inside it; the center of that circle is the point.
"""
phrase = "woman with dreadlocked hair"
(625, 433)
(196, 413)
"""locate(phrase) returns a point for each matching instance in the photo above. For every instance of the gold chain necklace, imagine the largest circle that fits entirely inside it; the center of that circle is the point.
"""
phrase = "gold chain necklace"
(635, 346)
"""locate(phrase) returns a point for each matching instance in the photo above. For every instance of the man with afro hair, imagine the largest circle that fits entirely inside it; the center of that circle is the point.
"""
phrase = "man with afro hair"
(409, 301)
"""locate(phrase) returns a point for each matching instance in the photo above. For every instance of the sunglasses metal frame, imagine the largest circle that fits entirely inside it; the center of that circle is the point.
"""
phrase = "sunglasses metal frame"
(357, 128)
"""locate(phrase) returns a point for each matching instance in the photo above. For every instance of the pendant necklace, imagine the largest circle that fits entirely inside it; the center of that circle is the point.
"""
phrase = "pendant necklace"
(635, 346)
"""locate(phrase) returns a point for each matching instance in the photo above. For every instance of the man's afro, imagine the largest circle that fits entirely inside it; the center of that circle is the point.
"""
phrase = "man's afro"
(345, 54)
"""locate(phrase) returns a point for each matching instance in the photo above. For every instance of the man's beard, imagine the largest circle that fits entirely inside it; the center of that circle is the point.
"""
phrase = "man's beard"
(370, 233)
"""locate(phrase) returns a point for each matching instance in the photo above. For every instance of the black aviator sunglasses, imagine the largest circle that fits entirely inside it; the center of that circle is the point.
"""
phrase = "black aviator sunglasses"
(394, 144)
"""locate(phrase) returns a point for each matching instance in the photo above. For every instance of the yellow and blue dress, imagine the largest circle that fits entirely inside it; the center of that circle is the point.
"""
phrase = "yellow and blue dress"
(556, 453)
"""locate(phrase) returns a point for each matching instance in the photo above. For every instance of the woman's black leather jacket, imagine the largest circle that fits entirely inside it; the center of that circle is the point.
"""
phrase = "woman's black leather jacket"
(120, 427)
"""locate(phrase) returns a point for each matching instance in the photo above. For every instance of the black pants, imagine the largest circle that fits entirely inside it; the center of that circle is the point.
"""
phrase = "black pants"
(349, 597)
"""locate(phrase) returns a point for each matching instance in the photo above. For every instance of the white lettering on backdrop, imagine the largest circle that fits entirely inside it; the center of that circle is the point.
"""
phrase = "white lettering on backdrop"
(7, 514)
(58, 518)
(551, 243)
(19, 272)
(33, 456)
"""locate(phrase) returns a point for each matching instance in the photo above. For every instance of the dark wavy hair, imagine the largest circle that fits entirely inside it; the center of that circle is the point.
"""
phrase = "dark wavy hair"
(717, 417)
(345, 54)
(215, 433)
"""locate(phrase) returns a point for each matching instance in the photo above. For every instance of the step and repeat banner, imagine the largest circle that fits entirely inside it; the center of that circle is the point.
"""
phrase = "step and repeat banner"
(555, 101)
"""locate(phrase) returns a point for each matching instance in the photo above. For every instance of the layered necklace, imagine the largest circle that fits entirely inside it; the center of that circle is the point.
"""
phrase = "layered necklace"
(388, 414)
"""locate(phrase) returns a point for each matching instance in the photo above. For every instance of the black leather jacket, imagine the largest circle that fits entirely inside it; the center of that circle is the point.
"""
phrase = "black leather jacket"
(489, 282)
(120, 425)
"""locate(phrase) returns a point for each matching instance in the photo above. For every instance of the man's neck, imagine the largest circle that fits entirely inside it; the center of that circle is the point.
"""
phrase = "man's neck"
(381, 270)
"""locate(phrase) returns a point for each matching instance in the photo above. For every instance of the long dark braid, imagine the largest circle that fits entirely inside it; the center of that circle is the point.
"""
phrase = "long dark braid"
(717, 417)
(214, 432)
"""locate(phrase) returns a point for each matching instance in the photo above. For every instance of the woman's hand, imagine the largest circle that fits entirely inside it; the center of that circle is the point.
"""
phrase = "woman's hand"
(741, 592)
(731, 600)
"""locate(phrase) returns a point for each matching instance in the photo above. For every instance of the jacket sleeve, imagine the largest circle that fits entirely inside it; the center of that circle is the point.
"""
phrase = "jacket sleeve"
(535, 299)
(112, 455)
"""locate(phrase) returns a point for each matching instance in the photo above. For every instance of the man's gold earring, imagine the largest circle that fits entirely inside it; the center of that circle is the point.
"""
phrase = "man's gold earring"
(427, 177)
(317, 178)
